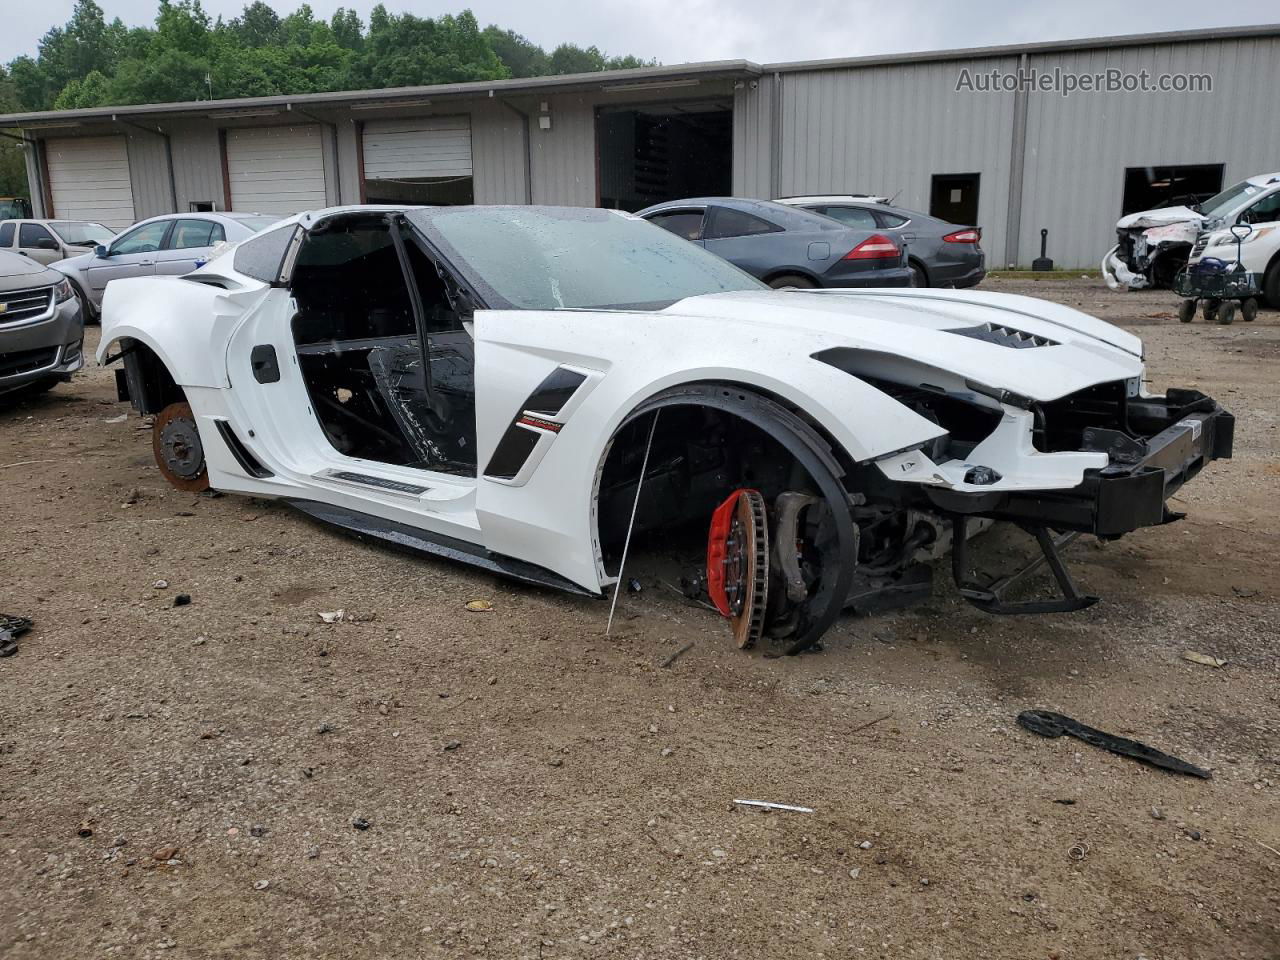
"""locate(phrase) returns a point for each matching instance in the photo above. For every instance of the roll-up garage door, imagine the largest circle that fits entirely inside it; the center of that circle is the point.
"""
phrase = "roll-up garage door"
(89, 180)
(277, 170)
(418, 160)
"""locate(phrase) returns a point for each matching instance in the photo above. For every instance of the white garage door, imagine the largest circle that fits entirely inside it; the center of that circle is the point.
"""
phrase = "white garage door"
(89, 180)
(424, 147)
(277, 170)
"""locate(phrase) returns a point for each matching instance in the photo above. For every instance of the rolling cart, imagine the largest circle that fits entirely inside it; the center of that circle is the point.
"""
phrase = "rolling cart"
(1219, 286)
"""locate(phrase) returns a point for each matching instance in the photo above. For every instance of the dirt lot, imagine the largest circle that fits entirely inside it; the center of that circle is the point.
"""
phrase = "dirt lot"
(534, 789)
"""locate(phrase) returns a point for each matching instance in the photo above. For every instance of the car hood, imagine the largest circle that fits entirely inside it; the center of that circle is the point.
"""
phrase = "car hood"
(75, 263)
(16, 271)
(1164, 216)
(979, 337)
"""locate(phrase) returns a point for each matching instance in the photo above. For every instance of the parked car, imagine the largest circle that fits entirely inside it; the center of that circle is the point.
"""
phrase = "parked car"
(785, 246)
(521, 387)
(172, 244)
(1153, 245)
(940, 254)
(48, 241)
(41, 326)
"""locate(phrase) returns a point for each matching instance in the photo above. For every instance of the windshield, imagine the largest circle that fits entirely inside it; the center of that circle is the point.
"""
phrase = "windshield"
(1223, 203)
(78, 234)
(552, 258)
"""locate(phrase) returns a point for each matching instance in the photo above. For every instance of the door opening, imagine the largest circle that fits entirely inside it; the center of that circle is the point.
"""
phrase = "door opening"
(359, 351)
(954, 198)
(648, 154)
(1146, 188)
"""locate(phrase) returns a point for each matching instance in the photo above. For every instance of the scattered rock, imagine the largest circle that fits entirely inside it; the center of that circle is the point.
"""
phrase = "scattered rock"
(164, 853)
(261, 884)
(855, 873)
(924, 881)
(258, 830)
(325, 728)
(182, 600)
(667, 751)
(1157, 813)
(865, 845)
(331, 616)
(557, 762)
(453, 745)
(198, 641)
(313, 853)
(1193, 834)
(161, 585)
(360, 823)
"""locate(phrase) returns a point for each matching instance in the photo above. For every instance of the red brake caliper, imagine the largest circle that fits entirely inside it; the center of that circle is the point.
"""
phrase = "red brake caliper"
(738, 563)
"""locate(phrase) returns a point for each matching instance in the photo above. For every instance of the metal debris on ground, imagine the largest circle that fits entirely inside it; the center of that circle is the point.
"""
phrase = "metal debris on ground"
(1048, 724)
(11, 628)
(331, 616)
(478, 606)
(1078, 851)
(773, 806)
(1203, 659)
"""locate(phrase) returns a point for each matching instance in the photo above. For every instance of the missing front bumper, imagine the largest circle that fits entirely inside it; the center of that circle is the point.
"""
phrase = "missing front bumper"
(1130, 492)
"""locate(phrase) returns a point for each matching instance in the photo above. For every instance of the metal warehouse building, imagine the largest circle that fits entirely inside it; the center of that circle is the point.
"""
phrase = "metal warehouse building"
(1014, 161)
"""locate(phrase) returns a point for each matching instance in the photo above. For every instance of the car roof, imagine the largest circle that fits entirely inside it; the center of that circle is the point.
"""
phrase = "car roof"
(1264, 179)
(834, 198)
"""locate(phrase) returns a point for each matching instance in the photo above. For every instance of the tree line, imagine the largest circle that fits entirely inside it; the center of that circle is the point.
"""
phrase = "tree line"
(187, 55)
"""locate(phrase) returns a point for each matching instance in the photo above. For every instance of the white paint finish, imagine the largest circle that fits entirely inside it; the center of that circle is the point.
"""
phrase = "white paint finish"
(278, 170)
(89, 180)
(417, 147)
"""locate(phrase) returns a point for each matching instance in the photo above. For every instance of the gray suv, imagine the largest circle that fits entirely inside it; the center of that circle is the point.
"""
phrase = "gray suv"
(41, 327)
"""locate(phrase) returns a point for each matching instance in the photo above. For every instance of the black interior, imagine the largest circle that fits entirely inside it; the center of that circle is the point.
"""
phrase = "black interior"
(360, 355)
(661, 152)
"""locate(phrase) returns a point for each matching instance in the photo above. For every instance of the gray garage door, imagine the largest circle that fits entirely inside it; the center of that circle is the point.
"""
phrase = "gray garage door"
(89, 180)
(424, 147)
(277, 170)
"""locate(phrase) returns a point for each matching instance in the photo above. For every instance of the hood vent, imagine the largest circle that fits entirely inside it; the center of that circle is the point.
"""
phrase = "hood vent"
(1004, 336)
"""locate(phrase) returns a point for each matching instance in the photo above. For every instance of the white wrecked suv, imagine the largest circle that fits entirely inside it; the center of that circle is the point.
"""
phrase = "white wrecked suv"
(1153, 245)
(525, 388)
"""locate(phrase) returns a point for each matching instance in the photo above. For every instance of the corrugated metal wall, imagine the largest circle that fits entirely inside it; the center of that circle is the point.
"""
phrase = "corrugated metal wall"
(197, 163)
(753, 141)
(889, 129)
(1078, 147)
(497, 151)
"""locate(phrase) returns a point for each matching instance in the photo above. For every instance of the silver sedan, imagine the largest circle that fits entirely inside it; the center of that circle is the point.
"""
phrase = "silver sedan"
(172, 244)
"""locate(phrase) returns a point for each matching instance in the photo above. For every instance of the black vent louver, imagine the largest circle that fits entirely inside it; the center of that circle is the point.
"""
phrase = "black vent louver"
(1004, 336)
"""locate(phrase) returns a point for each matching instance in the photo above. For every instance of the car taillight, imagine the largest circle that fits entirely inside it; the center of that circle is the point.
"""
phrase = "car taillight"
(970, 235)
(875, 247)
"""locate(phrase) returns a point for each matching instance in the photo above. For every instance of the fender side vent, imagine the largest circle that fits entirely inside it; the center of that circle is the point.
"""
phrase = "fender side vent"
(248, 462)
(1004, 336)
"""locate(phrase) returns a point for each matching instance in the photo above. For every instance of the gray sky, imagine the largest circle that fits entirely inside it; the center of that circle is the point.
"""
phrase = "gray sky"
(676, 31)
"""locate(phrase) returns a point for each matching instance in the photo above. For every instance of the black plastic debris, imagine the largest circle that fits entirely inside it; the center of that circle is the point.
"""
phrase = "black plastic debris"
(182, 600)
(1048, 724)
(360, 823)
(11, 628)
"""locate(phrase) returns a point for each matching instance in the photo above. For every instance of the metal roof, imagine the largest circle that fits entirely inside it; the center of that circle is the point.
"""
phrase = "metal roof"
(619, 80)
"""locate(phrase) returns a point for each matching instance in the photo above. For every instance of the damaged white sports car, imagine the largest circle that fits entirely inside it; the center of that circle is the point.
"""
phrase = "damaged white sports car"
(522, 388)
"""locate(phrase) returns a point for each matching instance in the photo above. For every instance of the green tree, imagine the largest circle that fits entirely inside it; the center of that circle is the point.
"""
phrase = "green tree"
(521, 56)
(13, 166)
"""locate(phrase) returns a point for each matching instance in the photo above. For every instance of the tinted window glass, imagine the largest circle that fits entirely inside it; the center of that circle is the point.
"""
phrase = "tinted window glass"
(29, 234)
(188, 234)
(734, 223)
(6, 234)
(1266, 210)
(850, 216)
(257, 223)
(144, 239)
(260, 257)
(683, 223)
(549, 258)
(890, 219)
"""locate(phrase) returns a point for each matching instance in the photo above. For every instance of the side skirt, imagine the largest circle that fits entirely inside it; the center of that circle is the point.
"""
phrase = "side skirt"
(400, 536)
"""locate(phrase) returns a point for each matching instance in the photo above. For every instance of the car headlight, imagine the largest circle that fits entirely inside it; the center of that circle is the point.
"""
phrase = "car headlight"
(63, 291)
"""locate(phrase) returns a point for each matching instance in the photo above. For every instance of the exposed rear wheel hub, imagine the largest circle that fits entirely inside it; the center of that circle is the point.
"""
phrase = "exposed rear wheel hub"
(738, 564)
(175, 441)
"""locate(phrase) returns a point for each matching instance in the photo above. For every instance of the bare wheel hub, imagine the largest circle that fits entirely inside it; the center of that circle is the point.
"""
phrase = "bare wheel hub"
(178, 451)
(738, 564)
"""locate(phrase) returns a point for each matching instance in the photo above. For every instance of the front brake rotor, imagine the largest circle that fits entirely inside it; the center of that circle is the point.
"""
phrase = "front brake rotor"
(175, 441)
(738, 564)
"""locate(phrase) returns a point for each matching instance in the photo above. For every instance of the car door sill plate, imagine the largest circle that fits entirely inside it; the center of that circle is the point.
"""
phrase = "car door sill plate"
(382, 484)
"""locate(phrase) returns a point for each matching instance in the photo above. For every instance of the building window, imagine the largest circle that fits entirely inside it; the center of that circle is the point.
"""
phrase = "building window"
(202, 206)
(1146, 188)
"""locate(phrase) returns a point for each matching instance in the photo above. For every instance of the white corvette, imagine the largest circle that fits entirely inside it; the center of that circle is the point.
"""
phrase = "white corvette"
(523, 387)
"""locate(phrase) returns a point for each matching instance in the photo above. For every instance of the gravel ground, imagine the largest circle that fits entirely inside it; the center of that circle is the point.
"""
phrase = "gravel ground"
(235, 778)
